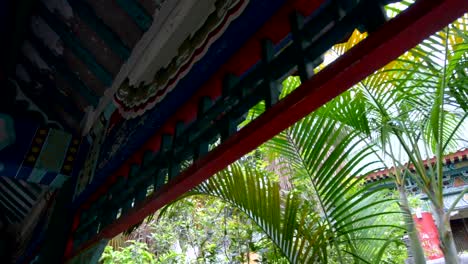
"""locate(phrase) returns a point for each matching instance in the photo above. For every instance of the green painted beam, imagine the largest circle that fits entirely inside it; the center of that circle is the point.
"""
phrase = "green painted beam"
(72, 42)
(87, 14)
(137, 13)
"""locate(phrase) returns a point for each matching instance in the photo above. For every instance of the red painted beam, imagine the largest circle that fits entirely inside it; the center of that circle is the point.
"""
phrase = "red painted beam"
(408, 29)
(275, 29)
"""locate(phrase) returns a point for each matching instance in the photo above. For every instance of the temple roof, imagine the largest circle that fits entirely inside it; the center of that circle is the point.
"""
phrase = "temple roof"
(452, 158)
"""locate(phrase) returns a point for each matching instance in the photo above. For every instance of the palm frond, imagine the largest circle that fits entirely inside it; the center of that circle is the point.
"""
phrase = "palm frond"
(321, 148)
(285, 220)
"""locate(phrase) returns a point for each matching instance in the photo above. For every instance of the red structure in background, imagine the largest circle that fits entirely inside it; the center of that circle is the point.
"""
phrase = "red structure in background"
(428, 235)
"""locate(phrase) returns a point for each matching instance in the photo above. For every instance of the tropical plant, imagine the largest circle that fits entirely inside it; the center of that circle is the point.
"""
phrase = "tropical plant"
(200, 229)
(444, 57)
(368, 107)
(416, 105)
(340, 216)
(311, 146)
(134, 253)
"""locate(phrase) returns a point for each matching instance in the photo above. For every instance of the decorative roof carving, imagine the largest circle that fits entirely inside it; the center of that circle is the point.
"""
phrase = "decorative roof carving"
(133, 101)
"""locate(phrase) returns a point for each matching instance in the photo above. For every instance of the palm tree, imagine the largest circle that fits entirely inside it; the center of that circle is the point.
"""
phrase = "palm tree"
(311, 146)
(365, 108)
(417, 103)
(443, 74)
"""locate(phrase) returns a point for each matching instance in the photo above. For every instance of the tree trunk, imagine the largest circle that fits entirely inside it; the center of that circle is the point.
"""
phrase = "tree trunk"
(447, 244)
(415, 244)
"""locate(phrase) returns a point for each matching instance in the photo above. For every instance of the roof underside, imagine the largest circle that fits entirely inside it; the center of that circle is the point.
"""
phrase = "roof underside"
(63, 55)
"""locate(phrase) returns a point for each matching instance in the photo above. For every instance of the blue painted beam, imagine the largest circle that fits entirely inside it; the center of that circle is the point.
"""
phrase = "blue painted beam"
(137, 13)
(72, 42)
(23, 157)
(87, 14)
